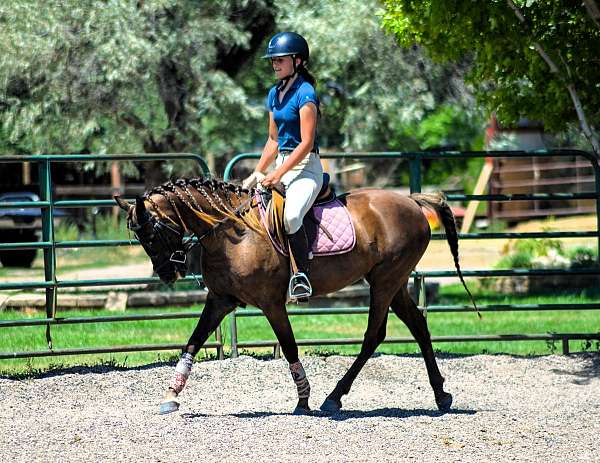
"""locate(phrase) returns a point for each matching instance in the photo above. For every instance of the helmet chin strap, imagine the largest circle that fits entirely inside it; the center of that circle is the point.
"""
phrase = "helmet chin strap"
(283, 82)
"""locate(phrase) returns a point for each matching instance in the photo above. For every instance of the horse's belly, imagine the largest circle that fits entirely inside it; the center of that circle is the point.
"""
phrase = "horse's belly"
(332, 273)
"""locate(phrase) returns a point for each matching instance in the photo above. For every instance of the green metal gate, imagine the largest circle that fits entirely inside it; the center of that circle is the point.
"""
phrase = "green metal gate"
(415, 159)
(49, 244)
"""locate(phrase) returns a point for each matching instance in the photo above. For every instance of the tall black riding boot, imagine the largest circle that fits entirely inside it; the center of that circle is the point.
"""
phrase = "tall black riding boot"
(299, 287)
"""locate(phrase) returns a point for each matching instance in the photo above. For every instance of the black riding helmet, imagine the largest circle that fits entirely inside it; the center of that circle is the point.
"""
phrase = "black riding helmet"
(288, 44)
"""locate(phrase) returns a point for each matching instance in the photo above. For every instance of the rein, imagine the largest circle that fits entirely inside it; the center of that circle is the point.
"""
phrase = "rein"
(188, 246)
(238, 211)
(178, 253)
(178, 256)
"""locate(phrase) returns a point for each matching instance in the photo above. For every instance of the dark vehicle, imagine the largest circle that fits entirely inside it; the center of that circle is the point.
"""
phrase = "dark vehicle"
(19, 225)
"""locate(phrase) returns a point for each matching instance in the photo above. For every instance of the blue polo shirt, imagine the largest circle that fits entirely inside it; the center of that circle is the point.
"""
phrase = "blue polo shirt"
(286, 113)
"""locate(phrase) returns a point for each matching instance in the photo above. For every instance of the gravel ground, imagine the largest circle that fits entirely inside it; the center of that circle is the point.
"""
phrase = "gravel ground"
(505, 409)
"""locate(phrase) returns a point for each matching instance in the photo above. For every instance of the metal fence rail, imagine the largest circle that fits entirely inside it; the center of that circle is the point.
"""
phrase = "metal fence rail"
(415, 164)
(51, 283)
(564, 338)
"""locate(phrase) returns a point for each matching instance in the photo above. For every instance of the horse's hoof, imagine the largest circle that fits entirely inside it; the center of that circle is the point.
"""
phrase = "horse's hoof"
(168, 407)
(331, 406)
(300, 411)
(445, 402)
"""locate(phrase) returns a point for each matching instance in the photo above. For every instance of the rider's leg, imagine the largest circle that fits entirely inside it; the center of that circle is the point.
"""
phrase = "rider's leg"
(300, 195)
(300, 285)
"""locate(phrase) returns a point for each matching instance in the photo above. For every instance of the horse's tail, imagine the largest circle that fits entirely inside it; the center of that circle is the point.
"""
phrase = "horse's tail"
(437, 202)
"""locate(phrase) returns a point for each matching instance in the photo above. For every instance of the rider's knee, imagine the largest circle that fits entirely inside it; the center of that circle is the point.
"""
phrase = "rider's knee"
(292, 224)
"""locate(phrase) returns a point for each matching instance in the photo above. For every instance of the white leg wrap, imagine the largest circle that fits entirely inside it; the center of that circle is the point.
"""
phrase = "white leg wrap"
(182, 372)
(299, 377)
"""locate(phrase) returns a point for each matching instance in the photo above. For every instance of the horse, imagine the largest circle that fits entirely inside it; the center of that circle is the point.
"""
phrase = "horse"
(241, 266)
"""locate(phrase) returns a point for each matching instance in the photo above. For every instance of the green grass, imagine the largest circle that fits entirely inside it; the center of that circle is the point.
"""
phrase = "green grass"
(72, 260)
(20, 339)
(320, 326)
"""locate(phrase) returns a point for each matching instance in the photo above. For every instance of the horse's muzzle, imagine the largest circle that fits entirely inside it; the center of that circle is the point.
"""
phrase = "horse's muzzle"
(169, 277)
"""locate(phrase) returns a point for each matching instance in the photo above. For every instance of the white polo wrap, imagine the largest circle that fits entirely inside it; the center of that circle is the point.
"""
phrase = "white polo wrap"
(182, 372)
(299, 377)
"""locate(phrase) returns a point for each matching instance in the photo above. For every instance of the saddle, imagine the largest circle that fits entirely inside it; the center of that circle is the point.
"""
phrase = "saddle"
(327, 224)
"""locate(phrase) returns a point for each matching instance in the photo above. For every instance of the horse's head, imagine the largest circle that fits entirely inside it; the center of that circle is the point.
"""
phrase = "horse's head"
(161, 239)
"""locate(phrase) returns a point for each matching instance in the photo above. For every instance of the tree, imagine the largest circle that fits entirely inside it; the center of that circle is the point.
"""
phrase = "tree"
(534, 59)
(186, 75)
(376, 95)
(122, 76)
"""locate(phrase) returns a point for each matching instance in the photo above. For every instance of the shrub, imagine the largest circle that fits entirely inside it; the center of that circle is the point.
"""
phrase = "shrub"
(519, 259)
(583, 257)
(545, 253)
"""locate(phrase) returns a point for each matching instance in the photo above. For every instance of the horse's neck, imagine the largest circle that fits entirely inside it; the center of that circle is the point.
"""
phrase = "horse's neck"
(221, 222)
(230, 233)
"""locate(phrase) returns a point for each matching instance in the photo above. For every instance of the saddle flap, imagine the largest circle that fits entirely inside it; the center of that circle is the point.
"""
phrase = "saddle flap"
(274, 215)
(328, 226)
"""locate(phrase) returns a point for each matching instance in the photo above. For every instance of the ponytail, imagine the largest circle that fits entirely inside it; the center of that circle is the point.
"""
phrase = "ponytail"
(307, 76)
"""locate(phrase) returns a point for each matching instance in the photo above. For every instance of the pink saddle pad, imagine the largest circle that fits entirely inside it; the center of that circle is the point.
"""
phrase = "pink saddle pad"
(334, 217)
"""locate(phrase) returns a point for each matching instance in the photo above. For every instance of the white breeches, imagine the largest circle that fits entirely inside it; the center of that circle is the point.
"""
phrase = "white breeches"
(302, 184)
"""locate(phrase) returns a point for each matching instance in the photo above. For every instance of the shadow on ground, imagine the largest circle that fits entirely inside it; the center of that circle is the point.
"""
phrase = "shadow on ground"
(344, 414)
(59, 370)
(590, 369)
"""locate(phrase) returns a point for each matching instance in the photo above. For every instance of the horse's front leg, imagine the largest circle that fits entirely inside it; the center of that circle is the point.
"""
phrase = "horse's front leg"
(279, 321)
(214, 311)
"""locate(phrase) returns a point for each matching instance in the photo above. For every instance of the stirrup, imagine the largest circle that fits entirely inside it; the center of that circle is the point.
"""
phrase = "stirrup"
(299, 287)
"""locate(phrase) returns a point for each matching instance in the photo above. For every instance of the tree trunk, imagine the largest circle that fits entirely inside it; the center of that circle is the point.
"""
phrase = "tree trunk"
(593, 10)
(257, 20)
(176, 82)
(587, 130)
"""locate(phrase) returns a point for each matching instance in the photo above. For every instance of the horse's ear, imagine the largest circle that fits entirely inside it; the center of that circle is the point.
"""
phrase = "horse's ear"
(140, 211)
(122, 203)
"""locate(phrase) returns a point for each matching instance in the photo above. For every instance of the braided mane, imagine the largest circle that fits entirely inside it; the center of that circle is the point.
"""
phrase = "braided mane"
(216, 192)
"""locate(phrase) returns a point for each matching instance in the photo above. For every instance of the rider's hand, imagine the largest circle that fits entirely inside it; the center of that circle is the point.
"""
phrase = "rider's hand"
(271, 180)
(253, 179)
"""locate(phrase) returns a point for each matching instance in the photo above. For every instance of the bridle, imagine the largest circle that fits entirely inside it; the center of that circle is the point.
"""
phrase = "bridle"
(159, 236)
(178, 255)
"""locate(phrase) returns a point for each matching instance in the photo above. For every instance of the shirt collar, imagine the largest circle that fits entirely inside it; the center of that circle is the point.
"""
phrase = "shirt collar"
(297, 82)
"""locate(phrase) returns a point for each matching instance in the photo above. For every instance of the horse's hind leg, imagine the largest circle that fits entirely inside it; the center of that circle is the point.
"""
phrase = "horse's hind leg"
(374, 335)
(279, 321)
(405, 308)
(214, 311)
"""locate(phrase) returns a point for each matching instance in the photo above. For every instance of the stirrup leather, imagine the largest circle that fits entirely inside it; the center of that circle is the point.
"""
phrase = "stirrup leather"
(299, 287)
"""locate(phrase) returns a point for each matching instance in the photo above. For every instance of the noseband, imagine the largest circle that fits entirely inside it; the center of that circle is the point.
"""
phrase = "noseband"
(177, 256)
(159, 231)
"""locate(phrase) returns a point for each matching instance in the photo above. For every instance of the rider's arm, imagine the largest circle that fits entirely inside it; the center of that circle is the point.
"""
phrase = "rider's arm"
(308, 126)
(269, 152)
(266, 158)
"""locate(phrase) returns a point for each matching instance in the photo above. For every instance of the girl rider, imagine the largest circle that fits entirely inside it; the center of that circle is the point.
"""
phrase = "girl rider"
(293, 112)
